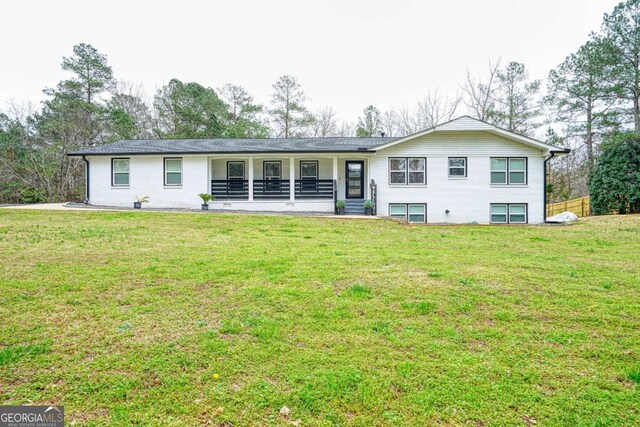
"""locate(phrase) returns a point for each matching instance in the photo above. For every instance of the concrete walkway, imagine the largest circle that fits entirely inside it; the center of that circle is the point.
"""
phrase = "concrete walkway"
(46, 206)
(79, 207)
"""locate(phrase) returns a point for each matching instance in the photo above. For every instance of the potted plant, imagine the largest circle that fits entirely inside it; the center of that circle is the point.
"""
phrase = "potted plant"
(368, 207)
(341, 204)
(206, 198)
(139, 201)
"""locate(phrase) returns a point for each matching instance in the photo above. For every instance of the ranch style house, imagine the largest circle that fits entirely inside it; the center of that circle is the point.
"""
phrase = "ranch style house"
(461, 171)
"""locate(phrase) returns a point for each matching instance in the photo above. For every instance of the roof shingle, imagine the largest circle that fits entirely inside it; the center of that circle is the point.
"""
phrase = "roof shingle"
(226, 145)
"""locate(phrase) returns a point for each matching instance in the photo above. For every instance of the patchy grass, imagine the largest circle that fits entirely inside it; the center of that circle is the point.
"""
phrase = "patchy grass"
(185, 319)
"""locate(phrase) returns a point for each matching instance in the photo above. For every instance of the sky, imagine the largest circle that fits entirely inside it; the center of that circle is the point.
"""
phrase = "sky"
(346, 54)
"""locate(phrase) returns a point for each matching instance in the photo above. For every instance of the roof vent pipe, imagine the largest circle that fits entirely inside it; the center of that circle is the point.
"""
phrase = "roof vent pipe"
(382, 134)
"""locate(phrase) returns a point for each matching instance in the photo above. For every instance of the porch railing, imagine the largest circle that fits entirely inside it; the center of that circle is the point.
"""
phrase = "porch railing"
(304, 189)
(314, 189)
(271, 188)
(237, 189)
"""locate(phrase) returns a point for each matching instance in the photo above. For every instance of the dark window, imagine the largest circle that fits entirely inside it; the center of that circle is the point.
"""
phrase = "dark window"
(457, 167)
(308, 169)
(235, 170)
(272, 170)
(397, 171)
(407, 170)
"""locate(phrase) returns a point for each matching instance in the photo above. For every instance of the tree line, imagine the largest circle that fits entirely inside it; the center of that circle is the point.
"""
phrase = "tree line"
(594, 94)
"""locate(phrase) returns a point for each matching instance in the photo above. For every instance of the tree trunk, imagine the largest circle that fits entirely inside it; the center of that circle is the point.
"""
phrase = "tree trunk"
(636, 113)
(286, 121)
(589, 137)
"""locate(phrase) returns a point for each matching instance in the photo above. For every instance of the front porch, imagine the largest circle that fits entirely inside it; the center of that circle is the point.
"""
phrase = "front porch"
(298, 183)
(273, 189)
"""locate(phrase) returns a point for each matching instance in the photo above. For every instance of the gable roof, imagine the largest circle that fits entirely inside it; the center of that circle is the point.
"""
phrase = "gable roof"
(232, 146)
(467, 123)
(296, 145)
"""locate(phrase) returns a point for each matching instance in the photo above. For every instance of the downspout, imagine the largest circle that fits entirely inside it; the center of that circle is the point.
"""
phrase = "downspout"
(553, 153)
(86, 174)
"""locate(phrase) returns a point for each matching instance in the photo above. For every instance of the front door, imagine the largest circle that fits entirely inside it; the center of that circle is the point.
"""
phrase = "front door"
(354, 181)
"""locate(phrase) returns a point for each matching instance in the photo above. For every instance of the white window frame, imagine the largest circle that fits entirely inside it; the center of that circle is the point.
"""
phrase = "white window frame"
(526, 213)
(403, 205)
(113, 172)
(507, 171)
(166, 172)
(407, 212)
(310, 177)
(264, 170)
(423, 171)
(424, 213)
(407, 171)
(523, 171)
(404, 171)
(464, 168)
(508, 213)
(229, 177)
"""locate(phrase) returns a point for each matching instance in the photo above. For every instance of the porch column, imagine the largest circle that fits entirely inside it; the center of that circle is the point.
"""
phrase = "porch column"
(335, 183)
(292, 178)
(250, 178)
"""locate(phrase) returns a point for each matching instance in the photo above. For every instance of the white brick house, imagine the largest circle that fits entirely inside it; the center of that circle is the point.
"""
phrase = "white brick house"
(458, 172)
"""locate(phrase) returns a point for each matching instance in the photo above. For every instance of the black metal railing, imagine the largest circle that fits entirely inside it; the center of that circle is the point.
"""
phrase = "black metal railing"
(271, 189)
(335, 196)
(374, 196)
(238, 189)
(230, 189)
(314, 189)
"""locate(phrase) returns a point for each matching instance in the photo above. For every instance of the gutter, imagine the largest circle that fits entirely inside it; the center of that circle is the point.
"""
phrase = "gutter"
(196, 153)
(86, 174)
(544, 189)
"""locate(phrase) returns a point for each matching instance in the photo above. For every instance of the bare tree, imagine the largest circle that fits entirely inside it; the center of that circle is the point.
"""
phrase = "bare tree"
(132, 99)
(325, 123)
(479, 93)
(235, 96)
(389, 123)
(346, 129)
(433, 109)
(407, 122)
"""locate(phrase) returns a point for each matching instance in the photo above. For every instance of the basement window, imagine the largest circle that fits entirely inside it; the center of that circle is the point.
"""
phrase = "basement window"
(413, 213)
(509, 213)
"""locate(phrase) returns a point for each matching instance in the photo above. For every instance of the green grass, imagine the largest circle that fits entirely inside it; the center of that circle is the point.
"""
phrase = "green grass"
(126, 318)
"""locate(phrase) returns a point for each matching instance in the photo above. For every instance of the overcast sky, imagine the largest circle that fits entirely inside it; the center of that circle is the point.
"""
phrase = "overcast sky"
(346, 54)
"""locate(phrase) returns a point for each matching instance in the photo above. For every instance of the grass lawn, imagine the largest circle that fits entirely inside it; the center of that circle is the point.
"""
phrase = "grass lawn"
(140, 318)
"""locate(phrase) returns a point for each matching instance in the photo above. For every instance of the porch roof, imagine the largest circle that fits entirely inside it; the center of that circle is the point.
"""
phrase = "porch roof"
(235, 146)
